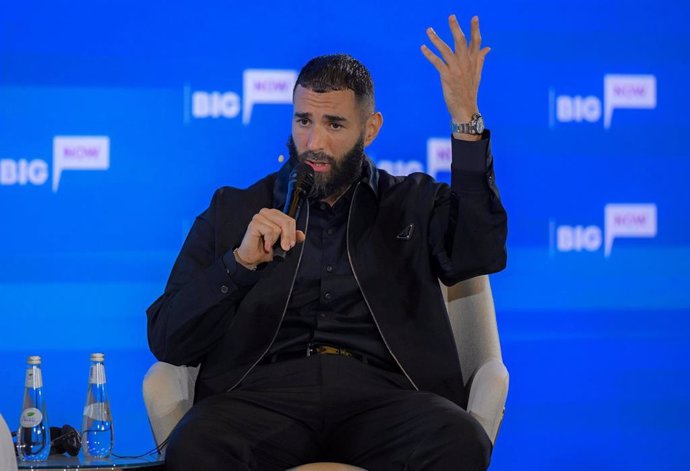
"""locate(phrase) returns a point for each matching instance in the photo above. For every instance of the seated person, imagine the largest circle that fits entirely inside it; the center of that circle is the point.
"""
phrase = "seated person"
(342, 350)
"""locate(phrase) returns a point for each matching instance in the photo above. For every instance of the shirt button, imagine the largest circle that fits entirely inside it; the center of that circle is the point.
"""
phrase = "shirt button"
(329, 268)
(330, 231)
(322, 206)
(322, 315)
(327, 295)
(224, 289)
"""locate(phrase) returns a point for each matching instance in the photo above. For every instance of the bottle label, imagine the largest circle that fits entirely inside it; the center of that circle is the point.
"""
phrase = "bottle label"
(31, 417)
(33, 378)
(97, 411)
(97, 374)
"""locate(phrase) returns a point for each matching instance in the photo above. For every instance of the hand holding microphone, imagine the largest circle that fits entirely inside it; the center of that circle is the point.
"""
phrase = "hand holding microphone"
(271, 232)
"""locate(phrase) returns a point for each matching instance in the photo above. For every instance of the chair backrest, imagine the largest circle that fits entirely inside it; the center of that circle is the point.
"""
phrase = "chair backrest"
(472, 317)
(8, 460)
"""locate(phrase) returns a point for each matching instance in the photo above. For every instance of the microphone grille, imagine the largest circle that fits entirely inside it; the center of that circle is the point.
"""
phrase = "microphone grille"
(303, 178)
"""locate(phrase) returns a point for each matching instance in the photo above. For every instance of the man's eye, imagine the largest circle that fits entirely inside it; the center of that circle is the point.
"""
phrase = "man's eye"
(336, 125)
(302, 121)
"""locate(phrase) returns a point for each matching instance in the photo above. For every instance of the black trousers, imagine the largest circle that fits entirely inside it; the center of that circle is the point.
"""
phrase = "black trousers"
(327, 408)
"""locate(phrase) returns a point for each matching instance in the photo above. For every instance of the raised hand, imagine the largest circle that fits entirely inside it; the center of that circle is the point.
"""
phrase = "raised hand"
(460, 70)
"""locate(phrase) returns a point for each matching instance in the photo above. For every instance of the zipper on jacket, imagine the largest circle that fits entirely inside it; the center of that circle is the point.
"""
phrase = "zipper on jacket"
(366, 301)
(287, 302)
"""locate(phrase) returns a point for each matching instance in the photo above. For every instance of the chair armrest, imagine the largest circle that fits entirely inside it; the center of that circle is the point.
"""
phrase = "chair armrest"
(488, 394)
(8, 461)
(168, 395)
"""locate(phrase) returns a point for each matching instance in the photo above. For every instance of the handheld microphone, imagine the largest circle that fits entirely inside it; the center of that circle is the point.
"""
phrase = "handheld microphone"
(300, 183)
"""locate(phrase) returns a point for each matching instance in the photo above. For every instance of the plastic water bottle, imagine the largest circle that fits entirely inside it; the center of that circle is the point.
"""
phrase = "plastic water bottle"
(97, 424)
(33, 437)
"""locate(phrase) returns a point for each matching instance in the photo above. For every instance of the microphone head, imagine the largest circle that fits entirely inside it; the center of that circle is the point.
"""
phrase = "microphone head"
(302, 177)
(300, 184)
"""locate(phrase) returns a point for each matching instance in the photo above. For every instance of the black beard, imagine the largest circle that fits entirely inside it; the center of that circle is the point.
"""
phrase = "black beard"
(343, 173)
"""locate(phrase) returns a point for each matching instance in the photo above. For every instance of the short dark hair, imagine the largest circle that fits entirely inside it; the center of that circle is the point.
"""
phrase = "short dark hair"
(338, 72)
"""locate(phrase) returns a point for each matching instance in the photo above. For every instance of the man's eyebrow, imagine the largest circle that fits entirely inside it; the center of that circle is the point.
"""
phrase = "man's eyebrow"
(338, 119)
(328, 117)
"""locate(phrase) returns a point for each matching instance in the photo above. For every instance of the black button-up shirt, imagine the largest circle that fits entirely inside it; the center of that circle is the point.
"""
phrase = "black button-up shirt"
(327, 306)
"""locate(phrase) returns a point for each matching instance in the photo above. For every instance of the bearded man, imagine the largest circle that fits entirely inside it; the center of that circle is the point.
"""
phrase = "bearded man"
(341, 350)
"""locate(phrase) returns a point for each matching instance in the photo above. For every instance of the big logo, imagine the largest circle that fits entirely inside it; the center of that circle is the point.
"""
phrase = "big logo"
(69, 153)
(638, 220)
(438, 159)
(260, 86)
(620, 91)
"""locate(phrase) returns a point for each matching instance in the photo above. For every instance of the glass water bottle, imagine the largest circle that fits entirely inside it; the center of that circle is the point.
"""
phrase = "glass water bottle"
(33, 437)
(97, 423)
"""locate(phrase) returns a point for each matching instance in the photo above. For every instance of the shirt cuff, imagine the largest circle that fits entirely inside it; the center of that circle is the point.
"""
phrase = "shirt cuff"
(471, 167)
(240, 275)
(471, 156)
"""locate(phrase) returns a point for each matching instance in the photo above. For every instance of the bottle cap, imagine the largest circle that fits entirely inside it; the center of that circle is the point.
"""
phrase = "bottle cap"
(34, 360)
(97, 357)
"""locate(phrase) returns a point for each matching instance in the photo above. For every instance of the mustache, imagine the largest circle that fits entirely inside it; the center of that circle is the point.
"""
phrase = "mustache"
(318, 157)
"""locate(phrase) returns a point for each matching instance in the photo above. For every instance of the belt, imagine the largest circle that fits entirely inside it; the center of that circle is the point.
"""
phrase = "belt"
(318, 349)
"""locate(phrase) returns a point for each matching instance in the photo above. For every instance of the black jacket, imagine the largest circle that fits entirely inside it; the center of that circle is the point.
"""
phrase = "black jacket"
(207, 317)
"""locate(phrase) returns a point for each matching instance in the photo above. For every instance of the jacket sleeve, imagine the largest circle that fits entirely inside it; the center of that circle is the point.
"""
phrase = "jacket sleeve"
(468, 226)
(200, 298)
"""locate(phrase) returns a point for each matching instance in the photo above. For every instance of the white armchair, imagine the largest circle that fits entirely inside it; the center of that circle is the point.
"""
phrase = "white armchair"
(169, 390)
(8, 460)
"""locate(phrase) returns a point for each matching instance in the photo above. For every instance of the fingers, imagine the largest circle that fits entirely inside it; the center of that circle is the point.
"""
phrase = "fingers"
(443, 48)
(458, 35)
(433, 58)
(265, 232)
(460, 43)
(266, 227)
(276, 225)
(286, 228)
(476, 41)
(481, 55)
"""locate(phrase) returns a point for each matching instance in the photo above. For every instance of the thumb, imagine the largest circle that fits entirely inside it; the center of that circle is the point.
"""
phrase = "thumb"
(301, 237)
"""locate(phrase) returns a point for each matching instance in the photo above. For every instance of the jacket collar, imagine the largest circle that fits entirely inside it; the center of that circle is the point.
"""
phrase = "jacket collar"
(369, 178)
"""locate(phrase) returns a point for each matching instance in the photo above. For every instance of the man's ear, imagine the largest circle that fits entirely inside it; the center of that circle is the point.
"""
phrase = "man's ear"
(372, 127)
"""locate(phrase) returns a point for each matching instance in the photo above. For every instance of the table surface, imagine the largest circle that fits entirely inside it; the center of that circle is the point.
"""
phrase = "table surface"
(78, 462)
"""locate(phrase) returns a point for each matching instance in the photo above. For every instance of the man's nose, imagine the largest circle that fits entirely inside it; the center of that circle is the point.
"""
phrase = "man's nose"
(315, 140)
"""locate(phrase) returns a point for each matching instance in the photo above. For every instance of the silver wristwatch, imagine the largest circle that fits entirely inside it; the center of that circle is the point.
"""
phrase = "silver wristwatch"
(475, 126)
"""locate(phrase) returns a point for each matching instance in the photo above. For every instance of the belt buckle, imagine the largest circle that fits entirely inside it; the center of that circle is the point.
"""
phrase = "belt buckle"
(330, 350)
(326, 350)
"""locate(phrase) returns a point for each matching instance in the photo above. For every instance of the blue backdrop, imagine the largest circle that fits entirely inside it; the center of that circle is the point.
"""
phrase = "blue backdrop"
(119, 119)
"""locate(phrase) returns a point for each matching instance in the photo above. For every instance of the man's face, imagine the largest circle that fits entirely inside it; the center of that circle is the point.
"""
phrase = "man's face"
(328, 135)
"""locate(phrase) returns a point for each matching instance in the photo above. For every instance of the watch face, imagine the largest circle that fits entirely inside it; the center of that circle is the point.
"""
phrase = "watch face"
(479, 126)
